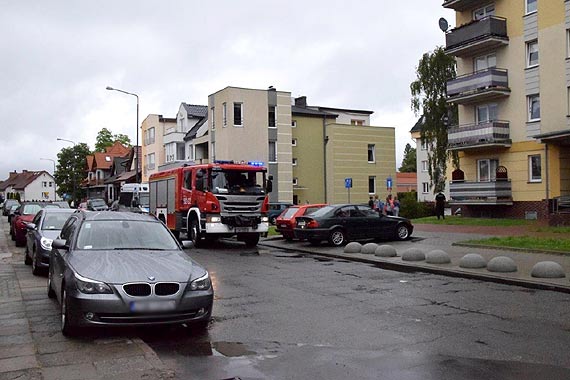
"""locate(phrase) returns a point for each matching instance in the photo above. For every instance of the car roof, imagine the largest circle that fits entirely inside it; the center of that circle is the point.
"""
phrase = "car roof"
(57, 210)
(116, 215)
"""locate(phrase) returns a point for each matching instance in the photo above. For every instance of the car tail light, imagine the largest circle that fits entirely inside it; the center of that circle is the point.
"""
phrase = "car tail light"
(312, 224)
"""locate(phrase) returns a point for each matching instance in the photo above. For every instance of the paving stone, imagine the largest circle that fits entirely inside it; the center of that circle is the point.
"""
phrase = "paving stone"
(26, 374)
(18, 363)
(15, 339)
(90, 354)
(122, 365)
(81, 371)
(15, 329)
(17, 350)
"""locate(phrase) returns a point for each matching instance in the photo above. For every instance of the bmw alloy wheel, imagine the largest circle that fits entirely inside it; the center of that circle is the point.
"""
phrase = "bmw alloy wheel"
(337, 237)
(402, 232)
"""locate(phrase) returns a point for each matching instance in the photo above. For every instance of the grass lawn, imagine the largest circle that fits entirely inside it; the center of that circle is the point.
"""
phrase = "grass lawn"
(528, 242)
(272, 231)
(464, 221)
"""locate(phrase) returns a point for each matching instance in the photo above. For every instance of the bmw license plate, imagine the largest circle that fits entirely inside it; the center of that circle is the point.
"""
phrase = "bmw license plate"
(149, 306)
(301, 224)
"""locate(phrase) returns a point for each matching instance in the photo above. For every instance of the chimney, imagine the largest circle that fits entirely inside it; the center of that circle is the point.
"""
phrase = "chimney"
(301, 101)
(24, 171)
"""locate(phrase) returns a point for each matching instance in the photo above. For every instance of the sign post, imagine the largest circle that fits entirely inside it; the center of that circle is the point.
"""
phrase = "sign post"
(348, 185)
(389, 184)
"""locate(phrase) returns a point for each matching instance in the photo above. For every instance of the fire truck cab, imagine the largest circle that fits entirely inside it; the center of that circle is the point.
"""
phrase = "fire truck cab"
(207, 201)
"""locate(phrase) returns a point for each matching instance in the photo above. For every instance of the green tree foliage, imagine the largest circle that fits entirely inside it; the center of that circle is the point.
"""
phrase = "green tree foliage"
(70, 170)
(429, 92)
(105, 138)
(409, 161)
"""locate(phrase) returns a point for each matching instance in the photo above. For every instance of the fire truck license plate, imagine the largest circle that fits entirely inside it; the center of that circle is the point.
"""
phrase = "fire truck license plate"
(242, 229)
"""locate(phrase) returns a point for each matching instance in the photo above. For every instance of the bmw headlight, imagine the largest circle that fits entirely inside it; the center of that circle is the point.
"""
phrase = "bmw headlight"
(89, 286)
(201, 283)
(46, 243)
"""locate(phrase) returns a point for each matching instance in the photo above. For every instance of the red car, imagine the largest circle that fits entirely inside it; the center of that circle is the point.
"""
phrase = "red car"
(286, 221)
(24, 215)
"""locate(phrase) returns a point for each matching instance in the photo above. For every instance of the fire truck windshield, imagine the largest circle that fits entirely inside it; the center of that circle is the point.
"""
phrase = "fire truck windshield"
(237, 182)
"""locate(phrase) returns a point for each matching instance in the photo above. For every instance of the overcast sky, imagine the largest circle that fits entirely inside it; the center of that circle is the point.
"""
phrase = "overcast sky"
(57, 57)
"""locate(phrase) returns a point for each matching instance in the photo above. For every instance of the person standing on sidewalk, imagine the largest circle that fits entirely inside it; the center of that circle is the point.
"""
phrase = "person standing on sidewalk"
(396, 207)
(440, 205)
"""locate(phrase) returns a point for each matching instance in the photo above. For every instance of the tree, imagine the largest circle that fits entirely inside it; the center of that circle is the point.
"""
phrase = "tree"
(105, 138)
(70, 171)
(429, 95)
(409, 161)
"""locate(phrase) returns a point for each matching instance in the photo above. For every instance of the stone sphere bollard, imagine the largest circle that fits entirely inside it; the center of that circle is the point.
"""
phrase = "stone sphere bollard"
(413, 254)
(353, 247)
(501, 264)
(437, 256)
(369, 248)
(547, 269)
(472, 261)
(385, 251)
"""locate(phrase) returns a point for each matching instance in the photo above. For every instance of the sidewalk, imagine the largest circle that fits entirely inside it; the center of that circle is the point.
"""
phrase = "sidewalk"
(31, 343)
(430, 237)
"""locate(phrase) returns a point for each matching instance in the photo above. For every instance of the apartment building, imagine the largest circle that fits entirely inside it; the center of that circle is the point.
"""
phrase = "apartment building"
(254, 125)
(333, 144)
(513, 95)
(153, 153)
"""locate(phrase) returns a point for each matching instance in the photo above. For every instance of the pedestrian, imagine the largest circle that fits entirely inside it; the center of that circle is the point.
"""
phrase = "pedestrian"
(377, 204)
(440, 205)
(389, 206)
(396, 208)
(371, 202)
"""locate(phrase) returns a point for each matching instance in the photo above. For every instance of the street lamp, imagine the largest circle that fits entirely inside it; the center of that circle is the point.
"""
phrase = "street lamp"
(137, 143)
(54, 184)
(73, 172)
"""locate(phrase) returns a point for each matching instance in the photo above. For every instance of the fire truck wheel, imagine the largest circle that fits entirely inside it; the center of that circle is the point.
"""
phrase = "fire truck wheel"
(194, 234)
(176, 235)
(251, 240)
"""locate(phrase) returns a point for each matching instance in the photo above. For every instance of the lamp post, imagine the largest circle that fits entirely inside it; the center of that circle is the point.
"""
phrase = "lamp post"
(137, 143)
(54, 184)
(73, 172)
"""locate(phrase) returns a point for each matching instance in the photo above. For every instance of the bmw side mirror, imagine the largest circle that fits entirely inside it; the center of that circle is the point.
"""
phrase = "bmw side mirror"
(30, 226)
(60, 243)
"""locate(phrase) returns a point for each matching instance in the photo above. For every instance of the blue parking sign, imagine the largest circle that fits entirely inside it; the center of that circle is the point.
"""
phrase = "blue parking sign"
(348, 183)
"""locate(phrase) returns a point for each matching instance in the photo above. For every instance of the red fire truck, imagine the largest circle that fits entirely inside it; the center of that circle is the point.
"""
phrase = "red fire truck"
(208, 201)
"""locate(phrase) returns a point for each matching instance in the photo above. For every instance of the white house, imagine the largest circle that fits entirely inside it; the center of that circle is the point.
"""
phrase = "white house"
(31, 185)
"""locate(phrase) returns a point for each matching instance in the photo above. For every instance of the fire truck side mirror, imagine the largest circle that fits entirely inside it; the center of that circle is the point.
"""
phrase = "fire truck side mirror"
(269, 185)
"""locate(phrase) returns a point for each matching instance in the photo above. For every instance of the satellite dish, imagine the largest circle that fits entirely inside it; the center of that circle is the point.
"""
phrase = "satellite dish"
(443, 24)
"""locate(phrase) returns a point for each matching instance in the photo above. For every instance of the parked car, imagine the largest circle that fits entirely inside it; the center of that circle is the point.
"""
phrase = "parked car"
(45, 227)
(339, 224)
(23, 215)
(82, 206)
(8, 203)
(274, 209)
(11, 213)
(97, 204)
(287, 220)
(114, 268)
(61, 204)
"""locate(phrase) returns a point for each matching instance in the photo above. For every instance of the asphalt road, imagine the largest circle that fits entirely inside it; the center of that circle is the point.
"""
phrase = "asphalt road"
(279, 315)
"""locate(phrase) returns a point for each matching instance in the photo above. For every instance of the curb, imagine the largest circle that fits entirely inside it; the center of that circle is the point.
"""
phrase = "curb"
(405, 267)
(502, 248)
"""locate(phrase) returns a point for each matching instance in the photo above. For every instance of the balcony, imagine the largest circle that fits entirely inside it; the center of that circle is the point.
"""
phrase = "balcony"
(497, 192)
(477, 37)
(173, 136)
(483, 135)
(463, 5)
(479, 86)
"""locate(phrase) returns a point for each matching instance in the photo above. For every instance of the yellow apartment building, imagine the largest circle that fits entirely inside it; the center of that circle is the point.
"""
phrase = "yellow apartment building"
(513, 95)
(153, 153)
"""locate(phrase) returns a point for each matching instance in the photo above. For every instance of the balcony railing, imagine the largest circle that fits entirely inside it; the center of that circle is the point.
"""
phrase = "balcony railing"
(481, 193)
(472, 136)
(462, 5)
(479, 86)
(477, 37)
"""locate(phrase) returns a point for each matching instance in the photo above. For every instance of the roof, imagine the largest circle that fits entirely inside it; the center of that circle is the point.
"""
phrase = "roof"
(346, 110)
(117, 149)
(21, 180)
(103, 160)
(194, 110)
(418, 126)
(191, 134)
(296, 110)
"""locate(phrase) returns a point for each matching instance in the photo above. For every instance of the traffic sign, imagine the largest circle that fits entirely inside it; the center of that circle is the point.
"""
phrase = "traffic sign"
(388, 183)
(348, 183)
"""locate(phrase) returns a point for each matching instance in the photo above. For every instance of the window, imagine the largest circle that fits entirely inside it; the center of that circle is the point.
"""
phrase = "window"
(293, 123)
(531, 6)
(213, 118)
(487, 170)
(534, 168)
(372, 185)
(150, 161)
(424, 144)
(357, 122)
(486, 112)
(238, 114)
(532, 53)
(294, 163)
(371, 153)
(484, 62)
(295, 181)
(149, 136)
(425, 187)
(50, 184)
(272, 117)
(424, 166)
(533, 107)
(224, 114)
(170, 152)
(294, 142)
(272, 151)
(44, 184)
(568, 43)
(488, 10)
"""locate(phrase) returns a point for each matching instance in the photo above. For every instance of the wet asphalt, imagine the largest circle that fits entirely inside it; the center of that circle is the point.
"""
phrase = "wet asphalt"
(284, 315)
